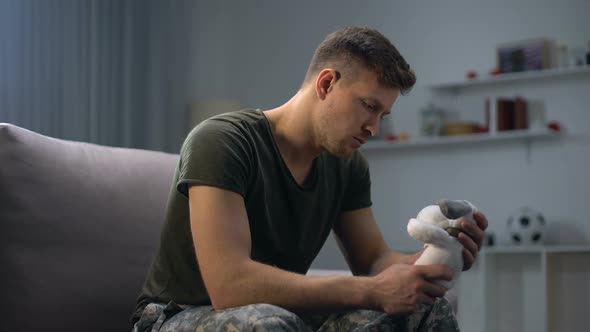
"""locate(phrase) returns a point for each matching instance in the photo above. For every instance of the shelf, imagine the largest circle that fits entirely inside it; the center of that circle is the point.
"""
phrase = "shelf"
(514, 77)
(462, 139)
(536, 249)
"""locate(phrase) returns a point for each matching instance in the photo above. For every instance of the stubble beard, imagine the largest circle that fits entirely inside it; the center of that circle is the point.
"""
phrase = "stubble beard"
(335, 147)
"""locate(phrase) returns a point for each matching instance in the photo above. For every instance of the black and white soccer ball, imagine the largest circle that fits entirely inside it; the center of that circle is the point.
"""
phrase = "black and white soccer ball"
(526, 227)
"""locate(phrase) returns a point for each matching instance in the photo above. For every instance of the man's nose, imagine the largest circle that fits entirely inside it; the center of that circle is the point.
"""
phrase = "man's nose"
(373, 126)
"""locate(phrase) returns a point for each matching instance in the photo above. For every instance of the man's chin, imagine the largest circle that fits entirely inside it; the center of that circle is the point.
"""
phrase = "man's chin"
(342, 153)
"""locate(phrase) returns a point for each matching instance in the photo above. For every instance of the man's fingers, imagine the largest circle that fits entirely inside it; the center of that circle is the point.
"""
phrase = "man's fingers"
(481, 220)
(473, 229)
(434, 290)
(426, 299)
(468, 260)
(436, 271)
(468, 243)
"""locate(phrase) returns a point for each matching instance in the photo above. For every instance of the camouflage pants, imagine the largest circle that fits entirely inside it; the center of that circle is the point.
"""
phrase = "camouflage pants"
(158, 317)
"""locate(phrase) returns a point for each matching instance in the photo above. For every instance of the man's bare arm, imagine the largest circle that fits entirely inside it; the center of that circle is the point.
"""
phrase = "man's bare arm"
(222, 240)
(221, 234)
(362, 244)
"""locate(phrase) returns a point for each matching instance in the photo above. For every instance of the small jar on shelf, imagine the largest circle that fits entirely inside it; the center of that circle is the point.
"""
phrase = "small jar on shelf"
(432, 120)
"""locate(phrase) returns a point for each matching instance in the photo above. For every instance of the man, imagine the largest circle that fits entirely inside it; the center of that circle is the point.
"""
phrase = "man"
(257, 193)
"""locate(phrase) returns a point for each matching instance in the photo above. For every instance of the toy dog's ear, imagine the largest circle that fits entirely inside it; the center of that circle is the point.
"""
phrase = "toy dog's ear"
(428, 233)
(454, 209)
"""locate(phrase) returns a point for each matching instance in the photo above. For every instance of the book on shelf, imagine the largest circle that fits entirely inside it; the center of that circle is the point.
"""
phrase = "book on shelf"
(511, 114)
(520, 113)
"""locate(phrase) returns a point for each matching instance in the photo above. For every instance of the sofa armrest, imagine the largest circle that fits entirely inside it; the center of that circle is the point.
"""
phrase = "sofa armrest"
(80, 223)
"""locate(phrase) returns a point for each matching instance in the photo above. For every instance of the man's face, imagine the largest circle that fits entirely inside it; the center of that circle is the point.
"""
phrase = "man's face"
(352, 112)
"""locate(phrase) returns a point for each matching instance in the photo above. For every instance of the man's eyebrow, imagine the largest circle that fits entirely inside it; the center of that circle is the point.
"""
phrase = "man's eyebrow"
(378, 104)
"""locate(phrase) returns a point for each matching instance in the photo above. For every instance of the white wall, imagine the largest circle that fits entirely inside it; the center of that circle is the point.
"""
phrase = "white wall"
(268, 44)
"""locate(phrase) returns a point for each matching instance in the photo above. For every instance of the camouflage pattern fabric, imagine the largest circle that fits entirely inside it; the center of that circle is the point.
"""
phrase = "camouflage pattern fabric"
(158, 317)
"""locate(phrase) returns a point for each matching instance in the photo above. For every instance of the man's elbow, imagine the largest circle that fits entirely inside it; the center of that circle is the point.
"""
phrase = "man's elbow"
(229, 291)
(221, 296)
(220, 303)
(229, 298)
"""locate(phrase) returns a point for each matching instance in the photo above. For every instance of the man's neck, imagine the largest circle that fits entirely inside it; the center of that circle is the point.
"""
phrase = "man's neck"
(293, 132)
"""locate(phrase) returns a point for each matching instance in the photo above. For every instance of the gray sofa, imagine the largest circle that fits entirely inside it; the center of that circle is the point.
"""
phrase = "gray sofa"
(79, 225)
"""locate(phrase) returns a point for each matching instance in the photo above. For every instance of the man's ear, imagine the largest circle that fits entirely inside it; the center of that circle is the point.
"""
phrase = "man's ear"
(325, 82)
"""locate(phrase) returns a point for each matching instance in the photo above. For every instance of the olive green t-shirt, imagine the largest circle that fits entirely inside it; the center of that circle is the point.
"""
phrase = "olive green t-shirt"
(289, 223)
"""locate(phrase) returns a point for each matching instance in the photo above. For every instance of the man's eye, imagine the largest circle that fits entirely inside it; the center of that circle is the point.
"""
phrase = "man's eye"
(369, 106)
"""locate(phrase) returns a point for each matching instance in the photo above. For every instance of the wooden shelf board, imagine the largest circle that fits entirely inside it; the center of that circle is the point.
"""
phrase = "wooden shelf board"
(516, 249)
(462, 139)
(514, 77)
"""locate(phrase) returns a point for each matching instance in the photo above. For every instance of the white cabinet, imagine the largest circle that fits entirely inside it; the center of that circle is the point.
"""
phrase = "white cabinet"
(544, 288)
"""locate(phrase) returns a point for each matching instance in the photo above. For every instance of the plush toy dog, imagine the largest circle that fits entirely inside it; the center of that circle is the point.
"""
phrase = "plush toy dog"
(437, 226)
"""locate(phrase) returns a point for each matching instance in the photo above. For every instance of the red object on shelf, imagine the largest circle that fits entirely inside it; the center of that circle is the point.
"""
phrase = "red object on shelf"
(483, 129)
(495, 72)
(472, 74)
(554, 125)
(391, 137)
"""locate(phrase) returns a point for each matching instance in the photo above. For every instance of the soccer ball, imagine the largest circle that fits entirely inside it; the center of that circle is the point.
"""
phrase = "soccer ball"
(526, 227)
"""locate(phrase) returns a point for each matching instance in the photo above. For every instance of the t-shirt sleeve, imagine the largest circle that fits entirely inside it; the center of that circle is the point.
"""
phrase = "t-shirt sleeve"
(358, 191)
(215, 153)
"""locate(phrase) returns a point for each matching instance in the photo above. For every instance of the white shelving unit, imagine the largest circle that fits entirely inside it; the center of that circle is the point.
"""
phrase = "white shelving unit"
(518, 288)
(454, 87)
(514, 77)
(533, 288)
(461, 139)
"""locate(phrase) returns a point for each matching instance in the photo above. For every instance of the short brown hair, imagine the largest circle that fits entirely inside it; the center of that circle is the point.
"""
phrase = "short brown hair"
(368, 47)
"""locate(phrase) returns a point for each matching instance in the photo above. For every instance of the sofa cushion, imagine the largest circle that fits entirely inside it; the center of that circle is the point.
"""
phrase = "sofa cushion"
(79, 226)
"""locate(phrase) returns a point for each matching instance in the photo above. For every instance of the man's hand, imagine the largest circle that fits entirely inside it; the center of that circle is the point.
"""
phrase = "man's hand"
(471, 237)
(401, 288)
